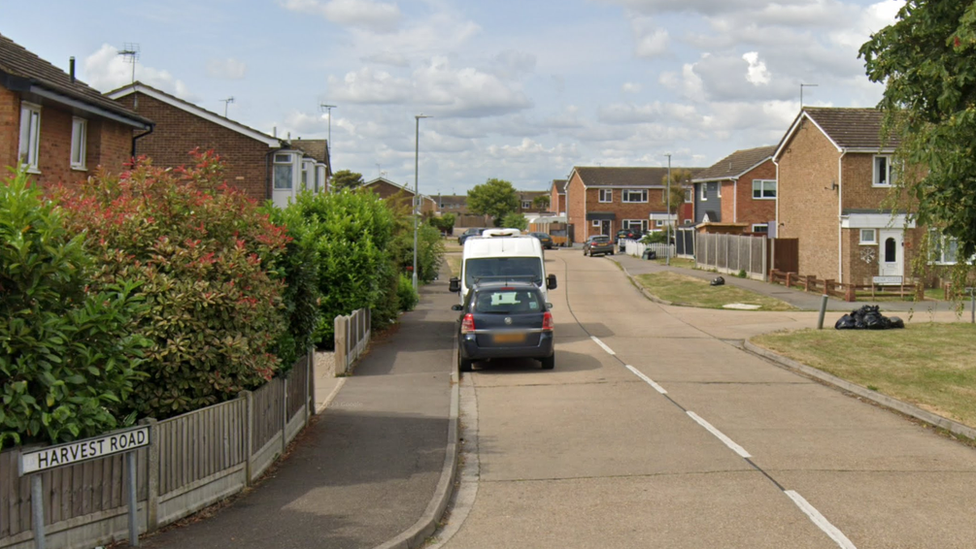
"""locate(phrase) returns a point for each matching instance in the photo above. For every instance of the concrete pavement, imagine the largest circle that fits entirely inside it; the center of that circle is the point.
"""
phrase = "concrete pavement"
(374, 468)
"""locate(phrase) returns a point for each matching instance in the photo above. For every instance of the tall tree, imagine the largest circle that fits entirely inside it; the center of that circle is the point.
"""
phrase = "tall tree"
(542, 201)
(346, 179)
(927, 61)
(495, 197)
(680, 180)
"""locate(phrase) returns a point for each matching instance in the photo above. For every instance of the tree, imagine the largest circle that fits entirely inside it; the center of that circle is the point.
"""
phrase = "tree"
(680, 180)
(345, 179)
(541, 202)
(515, 220)
(926, 61)
(495, 197)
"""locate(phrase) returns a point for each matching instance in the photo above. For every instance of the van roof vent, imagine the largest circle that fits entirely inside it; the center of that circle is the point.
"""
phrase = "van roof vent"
(501, 232)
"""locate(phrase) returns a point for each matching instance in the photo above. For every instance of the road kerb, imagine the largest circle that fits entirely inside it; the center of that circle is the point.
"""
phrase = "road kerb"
(416, 535)
(899, 406)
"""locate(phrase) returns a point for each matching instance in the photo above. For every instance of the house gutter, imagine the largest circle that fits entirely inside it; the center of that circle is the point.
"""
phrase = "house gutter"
(840, 214)
(140, 136)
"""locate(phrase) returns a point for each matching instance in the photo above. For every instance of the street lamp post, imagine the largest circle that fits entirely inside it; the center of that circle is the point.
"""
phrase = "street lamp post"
(667, 252)
(328, 144)
(416, 193)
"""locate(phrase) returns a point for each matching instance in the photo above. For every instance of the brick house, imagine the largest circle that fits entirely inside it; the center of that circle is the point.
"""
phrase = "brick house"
(833, 176)
(388, 190)
(263, 166)
(557, 196)
(737, 194)
(604, 200)
(56, 125)
(527, 202)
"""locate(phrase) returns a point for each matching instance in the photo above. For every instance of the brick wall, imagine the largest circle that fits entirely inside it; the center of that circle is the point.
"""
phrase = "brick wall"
(858, 171)
(808, 208)
(751, 210)
(177, 132)
(575, 211)
(9, 127)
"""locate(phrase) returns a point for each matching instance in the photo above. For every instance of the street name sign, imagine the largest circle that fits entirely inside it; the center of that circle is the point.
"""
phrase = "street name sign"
(79, 451)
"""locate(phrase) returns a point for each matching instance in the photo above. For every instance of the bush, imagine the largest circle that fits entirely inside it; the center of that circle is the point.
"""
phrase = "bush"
(68, 356)
(350, 232)
(430, 250)
(407, 295)
(515, 221)
(657, 237)
(210, 269)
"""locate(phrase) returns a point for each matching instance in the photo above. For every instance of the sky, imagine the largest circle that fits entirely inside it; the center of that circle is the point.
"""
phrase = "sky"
(520, 90)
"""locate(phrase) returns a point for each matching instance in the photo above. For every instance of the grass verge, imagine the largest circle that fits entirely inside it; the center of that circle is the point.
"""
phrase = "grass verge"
(453, 262)
(929, 365)
(695, 292)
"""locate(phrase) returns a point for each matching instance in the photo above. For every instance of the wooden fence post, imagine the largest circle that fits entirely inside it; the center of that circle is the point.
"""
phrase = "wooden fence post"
(309, 383)
(340, 345)
(789, 281)
(248, 433)
(152, 475)
(284, 413)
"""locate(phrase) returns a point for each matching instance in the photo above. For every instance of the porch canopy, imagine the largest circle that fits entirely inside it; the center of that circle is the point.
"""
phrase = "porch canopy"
(601, 216)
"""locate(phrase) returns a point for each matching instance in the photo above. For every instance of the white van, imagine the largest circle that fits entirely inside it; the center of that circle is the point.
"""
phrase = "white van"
(499, 255)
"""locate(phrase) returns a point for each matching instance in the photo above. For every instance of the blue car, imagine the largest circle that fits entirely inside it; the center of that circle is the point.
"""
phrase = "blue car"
(505, 320)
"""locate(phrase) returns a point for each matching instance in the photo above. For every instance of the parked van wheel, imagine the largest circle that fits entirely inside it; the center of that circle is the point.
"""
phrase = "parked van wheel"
(549, 362)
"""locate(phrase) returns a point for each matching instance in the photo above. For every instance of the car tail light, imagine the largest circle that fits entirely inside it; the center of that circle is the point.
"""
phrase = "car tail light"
(547, 323)
(467, 324)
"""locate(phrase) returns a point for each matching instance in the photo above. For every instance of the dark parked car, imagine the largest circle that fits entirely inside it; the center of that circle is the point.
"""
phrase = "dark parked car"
(632, 234)
(544, 239)
(598, 245)
(473, 231)
(505, 320)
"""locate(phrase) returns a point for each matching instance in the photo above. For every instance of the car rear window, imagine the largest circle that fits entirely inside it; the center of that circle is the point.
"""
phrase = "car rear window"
(497, 268)
(507, 302)
(601, 239)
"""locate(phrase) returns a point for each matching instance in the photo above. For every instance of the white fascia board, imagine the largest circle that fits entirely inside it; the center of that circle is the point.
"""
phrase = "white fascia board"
(272, 142)
(662, 216)
(871, 150)
(792, 130)
(876, 221)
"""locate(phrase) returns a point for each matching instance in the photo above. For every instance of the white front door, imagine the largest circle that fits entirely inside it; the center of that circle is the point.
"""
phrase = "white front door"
(891, 253)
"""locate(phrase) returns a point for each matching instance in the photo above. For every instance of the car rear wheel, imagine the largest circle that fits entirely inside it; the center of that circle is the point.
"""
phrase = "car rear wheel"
(464, 365)
(549, 362)
(611, 253)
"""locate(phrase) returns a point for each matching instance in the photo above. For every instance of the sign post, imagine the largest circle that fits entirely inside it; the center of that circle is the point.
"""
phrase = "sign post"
(35, 462)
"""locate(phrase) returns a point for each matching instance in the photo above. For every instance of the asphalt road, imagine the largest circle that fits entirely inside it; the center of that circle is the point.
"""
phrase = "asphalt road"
(654, 431)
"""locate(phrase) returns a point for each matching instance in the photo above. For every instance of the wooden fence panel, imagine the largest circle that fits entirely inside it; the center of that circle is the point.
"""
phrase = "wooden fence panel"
(268, 412)
(297, 386)
(198, 444)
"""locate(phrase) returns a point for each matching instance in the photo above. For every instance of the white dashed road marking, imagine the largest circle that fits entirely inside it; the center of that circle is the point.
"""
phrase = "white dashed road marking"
(649, 381)
(719, 435)
(604, 345)
(821, 521)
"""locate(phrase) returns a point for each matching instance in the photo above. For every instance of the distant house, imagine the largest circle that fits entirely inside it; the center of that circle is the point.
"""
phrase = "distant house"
(388, 190)
(263, 166)
(738, 193)
(557, 196)
(834, 174)
(527, 204)
(605, 200)
(55, 125)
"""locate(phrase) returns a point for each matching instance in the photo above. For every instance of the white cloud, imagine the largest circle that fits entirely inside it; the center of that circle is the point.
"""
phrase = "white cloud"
(366, 14)
(369, 86)
(756, 74)
(688, 83)
(387, 57)
(631, 87)
(106, 70)
(650, 41)
(226, 69)
(511, 64)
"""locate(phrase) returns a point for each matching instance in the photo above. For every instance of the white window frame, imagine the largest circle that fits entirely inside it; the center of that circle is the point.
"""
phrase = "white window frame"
(606, 196)
(596, 223)
(941, 244)
(875, 175)
(632, 223)
(79, 142)
(704, 192)
(689, 196)
(283, 159)
(30, 136)
(718, 189)
(625, 196)
(763, 189)
(688, 221)
(756, 226)
(526, 204)
(869, 241)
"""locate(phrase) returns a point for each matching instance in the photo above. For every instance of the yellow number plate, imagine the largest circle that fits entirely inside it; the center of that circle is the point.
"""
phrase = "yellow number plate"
(509, 338)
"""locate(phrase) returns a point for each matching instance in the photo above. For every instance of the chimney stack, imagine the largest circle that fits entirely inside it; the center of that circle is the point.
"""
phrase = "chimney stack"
(71, 68)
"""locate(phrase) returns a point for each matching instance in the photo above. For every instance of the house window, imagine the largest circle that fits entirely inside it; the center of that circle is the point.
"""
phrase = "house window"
(30, 135)
(704, 191)
(633, 195)
(606, 195)
(869, 236)
(718, 190)
(79, 135)
(763, 189)
(689, 196)
(760, 228)
(688, 221)
(635, 224)
(526, 204)
(658, 222)
(883, 175)
(283, 172)
(943, 250)
(596, 222)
